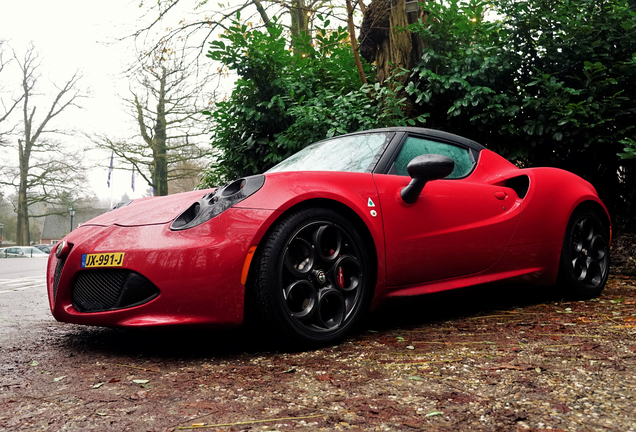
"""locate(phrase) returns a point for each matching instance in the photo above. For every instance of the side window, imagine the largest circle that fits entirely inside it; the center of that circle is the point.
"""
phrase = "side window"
(417, 146)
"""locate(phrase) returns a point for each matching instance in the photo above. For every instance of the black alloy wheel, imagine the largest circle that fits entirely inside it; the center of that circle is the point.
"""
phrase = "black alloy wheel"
(313, 281)
(585, 257)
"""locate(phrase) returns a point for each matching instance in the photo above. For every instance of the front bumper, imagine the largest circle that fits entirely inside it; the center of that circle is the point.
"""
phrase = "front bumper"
(197, 272)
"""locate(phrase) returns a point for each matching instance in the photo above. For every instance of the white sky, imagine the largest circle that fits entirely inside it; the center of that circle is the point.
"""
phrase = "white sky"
(82, 35)
(72, 35)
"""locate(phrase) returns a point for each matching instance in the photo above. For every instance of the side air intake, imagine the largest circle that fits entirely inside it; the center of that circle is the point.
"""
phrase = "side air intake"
(519, 184)
(104, 290)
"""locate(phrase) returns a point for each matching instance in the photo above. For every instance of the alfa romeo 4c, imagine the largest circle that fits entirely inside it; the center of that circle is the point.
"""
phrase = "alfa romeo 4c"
(331, 232)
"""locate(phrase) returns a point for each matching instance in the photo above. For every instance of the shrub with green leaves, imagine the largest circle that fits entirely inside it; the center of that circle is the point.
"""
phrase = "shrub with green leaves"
(549, 82)
(285, 99)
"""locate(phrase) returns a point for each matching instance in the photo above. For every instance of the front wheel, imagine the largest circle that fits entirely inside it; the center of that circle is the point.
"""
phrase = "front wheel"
(585, 257)
(313, 279)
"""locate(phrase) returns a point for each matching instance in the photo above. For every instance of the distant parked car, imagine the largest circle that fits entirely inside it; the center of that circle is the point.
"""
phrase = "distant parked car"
(22, 252)
(46, 248)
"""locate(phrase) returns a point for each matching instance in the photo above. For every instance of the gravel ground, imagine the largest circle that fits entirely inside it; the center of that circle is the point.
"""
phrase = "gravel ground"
(505, 359)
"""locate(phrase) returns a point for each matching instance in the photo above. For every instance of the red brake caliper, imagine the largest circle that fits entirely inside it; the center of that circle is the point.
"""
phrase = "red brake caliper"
(341, 277)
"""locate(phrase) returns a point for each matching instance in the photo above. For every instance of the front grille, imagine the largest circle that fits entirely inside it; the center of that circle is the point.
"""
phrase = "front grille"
(103, 290)
(58, 272)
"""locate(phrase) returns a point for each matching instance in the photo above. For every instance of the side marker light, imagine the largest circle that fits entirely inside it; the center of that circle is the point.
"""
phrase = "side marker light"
(246, 264)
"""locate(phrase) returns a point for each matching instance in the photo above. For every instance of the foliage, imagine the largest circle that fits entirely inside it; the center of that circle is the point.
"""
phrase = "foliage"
(550, 83)
(547, 82)
(629, 150)
(286, 99)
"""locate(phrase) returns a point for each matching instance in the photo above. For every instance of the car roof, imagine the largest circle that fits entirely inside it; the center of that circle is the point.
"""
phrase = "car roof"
(432, 133)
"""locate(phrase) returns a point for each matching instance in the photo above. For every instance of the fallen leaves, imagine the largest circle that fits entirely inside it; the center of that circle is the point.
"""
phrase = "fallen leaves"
(561, 407)
(505, 367)
(324, 377)
(137, 367)
(197, 425)
(445, 374)
(141, 394)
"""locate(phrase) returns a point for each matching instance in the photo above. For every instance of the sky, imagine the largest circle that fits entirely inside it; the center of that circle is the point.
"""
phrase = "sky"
(81, 35)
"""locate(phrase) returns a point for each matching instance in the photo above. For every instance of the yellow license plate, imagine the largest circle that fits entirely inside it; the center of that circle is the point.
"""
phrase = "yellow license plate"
(114, 259)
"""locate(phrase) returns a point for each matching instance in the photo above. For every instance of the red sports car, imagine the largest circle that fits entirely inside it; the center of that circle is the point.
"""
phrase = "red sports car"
(331, 232)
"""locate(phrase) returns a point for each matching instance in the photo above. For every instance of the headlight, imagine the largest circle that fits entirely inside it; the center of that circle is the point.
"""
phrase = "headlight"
(62, 249)
(215, 203)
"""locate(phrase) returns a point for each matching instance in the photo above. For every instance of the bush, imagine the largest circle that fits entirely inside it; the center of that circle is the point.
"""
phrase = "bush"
(285, 99)
(551, 83)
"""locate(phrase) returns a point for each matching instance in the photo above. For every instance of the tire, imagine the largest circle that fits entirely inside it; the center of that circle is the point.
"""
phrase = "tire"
(585, 257)
(313, 281)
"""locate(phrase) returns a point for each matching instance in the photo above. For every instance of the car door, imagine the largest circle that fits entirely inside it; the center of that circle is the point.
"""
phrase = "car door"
(456, 226)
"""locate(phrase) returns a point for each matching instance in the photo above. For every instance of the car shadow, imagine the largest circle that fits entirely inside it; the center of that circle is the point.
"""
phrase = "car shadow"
(457, 304)
(198, 343)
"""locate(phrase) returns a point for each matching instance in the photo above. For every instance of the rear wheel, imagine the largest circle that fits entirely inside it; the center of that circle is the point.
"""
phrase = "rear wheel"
(313, 279)
(585, 257)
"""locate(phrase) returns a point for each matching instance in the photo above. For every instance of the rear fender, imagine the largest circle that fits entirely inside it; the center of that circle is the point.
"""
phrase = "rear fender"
(552, 197)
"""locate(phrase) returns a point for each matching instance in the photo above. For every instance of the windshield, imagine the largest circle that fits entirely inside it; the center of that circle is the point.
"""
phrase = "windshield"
(353, 153)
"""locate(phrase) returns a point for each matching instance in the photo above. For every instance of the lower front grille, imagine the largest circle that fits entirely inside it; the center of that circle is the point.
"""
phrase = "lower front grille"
(104, 290)
(58, 272)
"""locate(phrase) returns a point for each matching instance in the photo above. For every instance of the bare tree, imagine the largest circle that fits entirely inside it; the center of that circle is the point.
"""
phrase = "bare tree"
(186, 176)
(206, 23)
(45, 170)
(166, 103)
(9, 105)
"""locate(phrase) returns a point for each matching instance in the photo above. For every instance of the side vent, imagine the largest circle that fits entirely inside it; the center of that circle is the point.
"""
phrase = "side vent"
(519, 184)
(59, 267)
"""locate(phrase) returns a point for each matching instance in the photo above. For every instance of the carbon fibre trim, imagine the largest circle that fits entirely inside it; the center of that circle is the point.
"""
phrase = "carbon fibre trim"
(104, 290)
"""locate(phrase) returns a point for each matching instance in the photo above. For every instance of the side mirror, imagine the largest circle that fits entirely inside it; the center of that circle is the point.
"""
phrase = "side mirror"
(423, 169)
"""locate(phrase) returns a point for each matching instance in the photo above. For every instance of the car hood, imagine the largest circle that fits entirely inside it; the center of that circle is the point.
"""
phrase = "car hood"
(149, 211)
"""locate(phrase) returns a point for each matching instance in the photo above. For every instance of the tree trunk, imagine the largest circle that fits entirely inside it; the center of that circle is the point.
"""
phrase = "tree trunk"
(383, 41)
(160, 145)
(354, 42)
(22, 236)
(401, 46)
(262, 13)
(299, 20)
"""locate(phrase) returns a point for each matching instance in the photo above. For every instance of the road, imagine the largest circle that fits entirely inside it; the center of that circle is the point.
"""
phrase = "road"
(23, 299)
